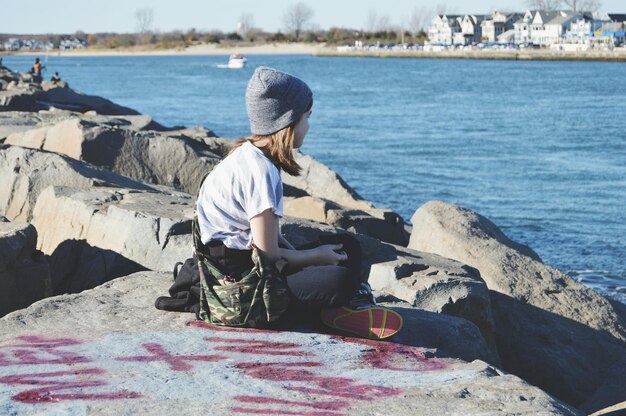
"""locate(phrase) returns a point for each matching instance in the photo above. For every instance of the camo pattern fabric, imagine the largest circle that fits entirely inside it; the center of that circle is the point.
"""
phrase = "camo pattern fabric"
(260, 297)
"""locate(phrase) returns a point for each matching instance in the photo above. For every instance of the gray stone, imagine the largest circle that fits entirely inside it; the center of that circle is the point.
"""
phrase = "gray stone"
(318, 180)
(440, 285)
(423, 280)
(381, 224)
(93, 236)
(341, 204)
(24, 273)
(31, 97)
(551, 330)
(116, 143)
(26, 173)
(611, 395)
(108, 351)
(16, 122)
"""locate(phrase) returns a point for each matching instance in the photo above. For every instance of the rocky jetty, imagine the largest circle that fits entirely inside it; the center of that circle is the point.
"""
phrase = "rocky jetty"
(96, 209)
(18, 92)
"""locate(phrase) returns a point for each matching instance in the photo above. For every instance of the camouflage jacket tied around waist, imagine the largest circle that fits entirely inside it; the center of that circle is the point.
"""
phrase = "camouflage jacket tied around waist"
(259, 298)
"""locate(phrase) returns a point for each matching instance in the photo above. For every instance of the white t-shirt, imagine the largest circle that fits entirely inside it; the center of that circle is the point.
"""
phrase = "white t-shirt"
(240, 187)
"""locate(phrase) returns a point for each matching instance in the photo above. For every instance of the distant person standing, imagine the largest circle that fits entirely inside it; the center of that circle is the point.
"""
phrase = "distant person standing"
(36, 71)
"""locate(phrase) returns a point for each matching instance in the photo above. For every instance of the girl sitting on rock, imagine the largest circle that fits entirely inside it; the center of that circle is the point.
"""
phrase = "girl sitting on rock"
(239, 207)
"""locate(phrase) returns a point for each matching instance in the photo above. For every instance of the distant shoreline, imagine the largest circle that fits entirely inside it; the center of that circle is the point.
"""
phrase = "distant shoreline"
(515, 55)
(206, 49)
(618, 55)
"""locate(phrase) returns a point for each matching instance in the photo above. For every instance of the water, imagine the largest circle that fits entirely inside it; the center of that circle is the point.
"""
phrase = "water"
(537, 147)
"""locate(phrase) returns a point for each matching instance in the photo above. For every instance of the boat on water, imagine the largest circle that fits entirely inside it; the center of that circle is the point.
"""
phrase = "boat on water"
(236, 61)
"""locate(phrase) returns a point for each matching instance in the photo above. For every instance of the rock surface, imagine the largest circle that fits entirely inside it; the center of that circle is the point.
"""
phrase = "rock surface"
(382, 224)
(423, 280)
(25, 95)
(120, 144)
(97, 352)
(26, 173)
(95, 235)
(24, 274)
(551, 330)
(433, 283)
(318, 180)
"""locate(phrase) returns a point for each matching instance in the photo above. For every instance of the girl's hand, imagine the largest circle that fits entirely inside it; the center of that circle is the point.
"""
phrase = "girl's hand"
(330, 254)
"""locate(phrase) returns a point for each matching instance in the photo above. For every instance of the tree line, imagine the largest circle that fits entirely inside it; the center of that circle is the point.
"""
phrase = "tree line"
(298, 27)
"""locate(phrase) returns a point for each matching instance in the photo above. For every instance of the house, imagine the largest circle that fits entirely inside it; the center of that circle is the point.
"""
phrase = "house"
(471, 32)
(494, 26)
(522, 28)
(613, 33)
(581, 30)
(67, 44)
(617, 17)
(540, 27)
(555, 29)
(443, 27)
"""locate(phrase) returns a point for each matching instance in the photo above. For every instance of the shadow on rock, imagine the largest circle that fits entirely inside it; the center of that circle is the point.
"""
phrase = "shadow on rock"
(451, 336)
(563, 357)
(76, 265)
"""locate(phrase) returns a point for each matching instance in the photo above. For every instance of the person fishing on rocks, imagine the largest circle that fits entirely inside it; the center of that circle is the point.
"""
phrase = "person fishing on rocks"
(35, 70)
(251, 275)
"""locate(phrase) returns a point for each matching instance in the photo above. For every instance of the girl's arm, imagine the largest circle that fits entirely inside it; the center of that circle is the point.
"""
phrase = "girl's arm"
(265, 236)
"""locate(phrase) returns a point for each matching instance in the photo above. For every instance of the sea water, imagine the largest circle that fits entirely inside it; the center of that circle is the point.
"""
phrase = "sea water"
(537, 147)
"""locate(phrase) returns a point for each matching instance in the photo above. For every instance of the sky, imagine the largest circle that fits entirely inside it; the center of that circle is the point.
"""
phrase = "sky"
(69, 16)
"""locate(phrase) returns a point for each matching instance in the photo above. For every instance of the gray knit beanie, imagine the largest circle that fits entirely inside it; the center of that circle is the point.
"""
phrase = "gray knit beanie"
(274, 100)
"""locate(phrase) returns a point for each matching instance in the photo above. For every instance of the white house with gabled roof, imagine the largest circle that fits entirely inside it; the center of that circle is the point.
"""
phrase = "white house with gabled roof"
(582, 30)
(443, 28)
(470, 30)
(540, 27)
(494, 26)
(522, 28)
(555, 29)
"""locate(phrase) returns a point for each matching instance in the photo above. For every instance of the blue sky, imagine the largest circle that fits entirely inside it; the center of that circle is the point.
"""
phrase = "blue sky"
(68, 16)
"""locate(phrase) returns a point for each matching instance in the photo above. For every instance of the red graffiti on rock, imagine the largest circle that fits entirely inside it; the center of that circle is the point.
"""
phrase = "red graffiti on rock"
(396, 357)
(54, 386)
(301, 376)
(175, 362)
(48, 370)
(33, 350)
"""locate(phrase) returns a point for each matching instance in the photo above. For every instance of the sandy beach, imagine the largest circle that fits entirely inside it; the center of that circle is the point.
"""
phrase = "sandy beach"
(619, 54)
(205, 49)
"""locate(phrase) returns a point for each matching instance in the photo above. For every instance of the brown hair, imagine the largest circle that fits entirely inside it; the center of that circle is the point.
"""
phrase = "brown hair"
(279, 150)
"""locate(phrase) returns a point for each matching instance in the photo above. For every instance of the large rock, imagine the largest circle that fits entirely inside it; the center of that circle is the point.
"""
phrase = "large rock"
(16, 122)
(318, 180)
(26, 173)
(440, 285)
(31, 97)
(7, 76)
(95, 235)
(551, 330)
(108, 351)
(24, 274)
(21, 121)
(340, 205)
(120, 145)
(423, 280)
(382, 224)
